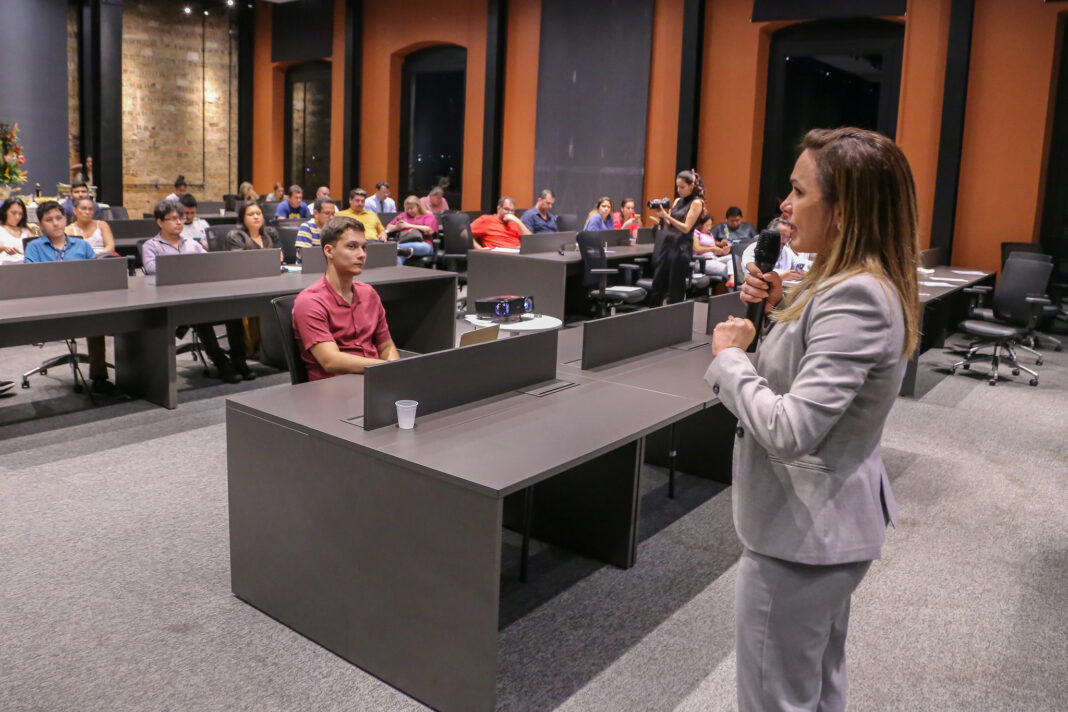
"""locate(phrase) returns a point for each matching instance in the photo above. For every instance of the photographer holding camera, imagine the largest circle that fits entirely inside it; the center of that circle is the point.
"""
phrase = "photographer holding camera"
(676, 254)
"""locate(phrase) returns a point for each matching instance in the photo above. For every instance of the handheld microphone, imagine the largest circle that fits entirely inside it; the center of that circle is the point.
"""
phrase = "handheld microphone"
(766, 254)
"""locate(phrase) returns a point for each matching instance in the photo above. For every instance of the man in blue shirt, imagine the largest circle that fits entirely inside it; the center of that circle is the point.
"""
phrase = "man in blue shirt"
(380, 202)
(734, 228)
(57, 246)
(539, 218)
(80, 190)
(293, 207)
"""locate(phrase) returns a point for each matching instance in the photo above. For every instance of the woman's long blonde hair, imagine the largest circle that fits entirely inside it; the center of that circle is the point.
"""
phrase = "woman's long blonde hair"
(414, 200)
(867, 178)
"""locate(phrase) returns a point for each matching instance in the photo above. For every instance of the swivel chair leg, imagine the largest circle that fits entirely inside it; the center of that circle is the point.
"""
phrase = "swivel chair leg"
(528, 520)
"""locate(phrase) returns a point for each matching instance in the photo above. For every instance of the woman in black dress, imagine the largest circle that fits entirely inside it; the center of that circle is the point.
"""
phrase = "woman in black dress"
(676, 252)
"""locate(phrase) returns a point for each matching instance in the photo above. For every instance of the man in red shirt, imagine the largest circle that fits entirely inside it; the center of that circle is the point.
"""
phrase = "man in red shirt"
(500, 230)
(339, 323)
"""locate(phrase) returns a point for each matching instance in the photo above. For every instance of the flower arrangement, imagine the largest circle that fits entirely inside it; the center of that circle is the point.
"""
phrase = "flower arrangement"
(11, 156)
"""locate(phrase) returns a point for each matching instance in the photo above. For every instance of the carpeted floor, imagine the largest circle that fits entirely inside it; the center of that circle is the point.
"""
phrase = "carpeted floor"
(114, 578)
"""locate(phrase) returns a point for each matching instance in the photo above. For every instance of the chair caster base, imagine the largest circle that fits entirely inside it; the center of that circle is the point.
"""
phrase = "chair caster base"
(25, 384)
(1038, 362)
(44, 371)
(993, 381)
(78, 388)
(1033, 381)
(1016, 372)
(966, 366)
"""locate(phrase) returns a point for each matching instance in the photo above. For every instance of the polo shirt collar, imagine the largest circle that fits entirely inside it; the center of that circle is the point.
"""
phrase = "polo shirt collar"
(337, 295)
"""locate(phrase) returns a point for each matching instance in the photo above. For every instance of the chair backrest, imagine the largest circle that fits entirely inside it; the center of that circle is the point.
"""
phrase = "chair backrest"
(289, 222)
(230, 201)
(1041, 257)
(288, 237)
(1020, 278)
(283, 310)
(1007, 248)
(931, 258)
(118, 212)
(386, 218)
(269, 207)
(456, 238)
(591, 248)
(216, 235)
(737, 251)
(210, 207)
(140, 249)
(569, 222)
(26, 242)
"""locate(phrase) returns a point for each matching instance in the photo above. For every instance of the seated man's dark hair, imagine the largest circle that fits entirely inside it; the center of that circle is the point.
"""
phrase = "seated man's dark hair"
(47, 207)
(504, 199)
(381, 184)
(179, 182)
(333, 230)
(318, 204)
(294, 189)
(734, 212)
(166, 207)
(188, 201)
(79, 184)
(357, 191)
(546, 193)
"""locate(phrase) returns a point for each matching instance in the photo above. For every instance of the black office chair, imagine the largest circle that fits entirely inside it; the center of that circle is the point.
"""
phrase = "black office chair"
(737, 251)
(283, 309)
(595, 272)
(569, 223)
(288, 237)
(1049, 311)
(456, 242)
(216, 237)
(118, 212)
(1008, 248)
(230, 202)
(1018, 305)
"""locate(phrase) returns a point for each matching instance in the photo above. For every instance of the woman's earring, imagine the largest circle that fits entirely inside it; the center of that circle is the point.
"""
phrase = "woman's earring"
(839, 227)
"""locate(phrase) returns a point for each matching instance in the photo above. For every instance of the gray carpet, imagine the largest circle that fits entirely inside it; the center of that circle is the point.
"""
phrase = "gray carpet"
(114, 580)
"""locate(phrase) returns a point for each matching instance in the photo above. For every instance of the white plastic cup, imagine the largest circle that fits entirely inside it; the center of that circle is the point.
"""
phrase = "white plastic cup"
(222, 211)
(406, 414)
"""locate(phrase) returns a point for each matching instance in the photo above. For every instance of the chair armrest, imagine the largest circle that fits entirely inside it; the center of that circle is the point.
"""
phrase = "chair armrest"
(1037, 300)
(978, 296)
(979, 289)
(604, 270)
(1036, 303)
(629, 272)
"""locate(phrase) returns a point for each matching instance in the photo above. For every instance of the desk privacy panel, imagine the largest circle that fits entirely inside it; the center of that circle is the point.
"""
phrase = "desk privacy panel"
(593, 90)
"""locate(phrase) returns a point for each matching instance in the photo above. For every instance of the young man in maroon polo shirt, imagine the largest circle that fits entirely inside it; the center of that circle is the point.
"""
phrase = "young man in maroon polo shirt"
(339, 323)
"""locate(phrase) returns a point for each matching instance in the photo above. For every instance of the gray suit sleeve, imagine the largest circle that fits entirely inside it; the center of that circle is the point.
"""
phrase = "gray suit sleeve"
(846, 336)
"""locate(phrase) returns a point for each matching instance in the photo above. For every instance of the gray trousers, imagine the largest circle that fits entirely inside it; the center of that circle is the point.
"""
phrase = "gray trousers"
(791, 622)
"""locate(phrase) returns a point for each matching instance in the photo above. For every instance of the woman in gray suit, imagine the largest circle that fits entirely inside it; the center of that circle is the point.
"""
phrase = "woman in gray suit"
(811, 495)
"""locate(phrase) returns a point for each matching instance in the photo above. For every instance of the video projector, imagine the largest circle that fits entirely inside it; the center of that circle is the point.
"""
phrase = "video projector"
(508, 307)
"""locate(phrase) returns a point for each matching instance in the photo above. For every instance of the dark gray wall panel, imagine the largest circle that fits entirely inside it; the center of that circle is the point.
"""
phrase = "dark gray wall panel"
(593, 90)
(765, 10)
(33, 53)
(302, 30)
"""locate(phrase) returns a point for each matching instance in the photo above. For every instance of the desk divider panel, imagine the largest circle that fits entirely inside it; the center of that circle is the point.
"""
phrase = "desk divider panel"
(380, 254)
(312, 260)
(646, 236)
(722, 306)
(446, 379)
(43, 279)
(216, 266)
(618, 337)
(133, 228)
(545, 242)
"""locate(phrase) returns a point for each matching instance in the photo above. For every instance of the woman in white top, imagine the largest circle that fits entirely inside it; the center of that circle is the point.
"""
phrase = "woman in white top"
(95, 232)
(13, 221)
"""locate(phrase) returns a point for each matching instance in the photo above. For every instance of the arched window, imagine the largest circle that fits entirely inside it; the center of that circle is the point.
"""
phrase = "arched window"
(433, 85)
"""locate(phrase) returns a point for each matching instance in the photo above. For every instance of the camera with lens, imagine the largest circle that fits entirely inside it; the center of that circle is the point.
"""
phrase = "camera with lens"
(660, 204)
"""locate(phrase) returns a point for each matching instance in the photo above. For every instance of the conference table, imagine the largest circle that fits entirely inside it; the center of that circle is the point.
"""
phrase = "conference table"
(143, 317)
(552, 278)
(384, 545)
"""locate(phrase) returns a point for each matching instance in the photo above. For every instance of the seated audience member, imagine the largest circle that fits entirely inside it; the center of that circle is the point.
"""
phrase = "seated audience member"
(180, 189)
(372, 226)
(323, 210)
(502, 229)
(600, 218)
(251, 233)
(340, 324)
(789, 265)
(194, 227)
(58, 246)
(734, 228)
(626, 218)
(248, 193)
(79, 190)
(80, 173)
(170, 219)
(322, 191)
(414, 230)
(380, 202)
(95, 232)
(13, 221)
(293, 207)
(434, 201)
(279, 193)
(718, 252)
(540, 218)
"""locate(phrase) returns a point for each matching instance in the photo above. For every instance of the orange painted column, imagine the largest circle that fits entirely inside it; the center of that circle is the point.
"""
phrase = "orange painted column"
(520, 100)
(919, 113)
(662, 118)
(1007, 122)
(337, 107)
(268, 106)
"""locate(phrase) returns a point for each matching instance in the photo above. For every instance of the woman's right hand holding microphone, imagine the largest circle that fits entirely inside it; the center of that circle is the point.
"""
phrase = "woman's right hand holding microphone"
(758, 287)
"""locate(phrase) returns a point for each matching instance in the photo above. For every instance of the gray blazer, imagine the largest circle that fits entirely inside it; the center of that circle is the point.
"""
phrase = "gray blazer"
(809, 482)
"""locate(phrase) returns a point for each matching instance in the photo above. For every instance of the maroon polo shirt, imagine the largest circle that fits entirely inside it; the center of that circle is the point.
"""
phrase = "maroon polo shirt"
(320, 314)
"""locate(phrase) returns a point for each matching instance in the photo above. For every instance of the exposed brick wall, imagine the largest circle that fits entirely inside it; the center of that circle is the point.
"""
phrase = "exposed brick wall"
(179, 103)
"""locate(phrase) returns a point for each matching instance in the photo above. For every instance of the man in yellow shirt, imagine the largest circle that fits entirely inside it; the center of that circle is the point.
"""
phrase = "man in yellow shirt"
(371, 224)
